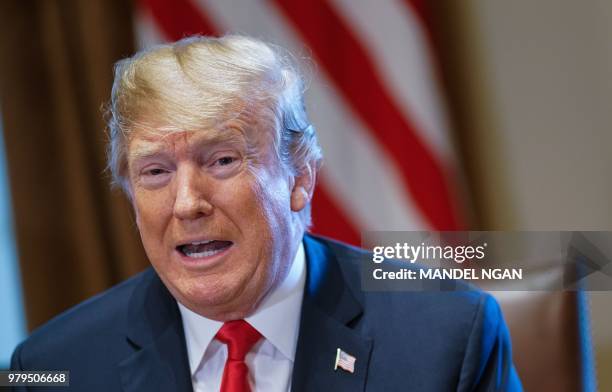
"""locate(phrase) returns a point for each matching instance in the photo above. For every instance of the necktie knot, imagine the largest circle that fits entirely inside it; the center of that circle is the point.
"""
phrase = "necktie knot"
(240, 337)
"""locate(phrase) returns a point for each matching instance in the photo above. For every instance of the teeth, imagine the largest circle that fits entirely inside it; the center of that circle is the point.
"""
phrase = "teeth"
(206, 253)
(202, 242)
(201, 249)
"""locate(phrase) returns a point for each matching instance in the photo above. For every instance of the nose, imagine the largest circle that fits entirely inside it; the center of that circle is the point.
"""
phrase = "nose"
(191, 201)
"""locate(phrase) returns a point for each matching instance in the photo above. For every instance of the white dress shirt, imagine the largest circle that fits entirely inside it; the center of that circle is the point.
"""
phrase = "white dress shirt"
(271, 360)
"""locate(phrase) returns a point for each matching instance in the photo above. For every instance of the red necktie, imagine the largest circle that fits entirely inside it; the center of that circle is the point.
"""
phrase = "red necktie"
(240, 337)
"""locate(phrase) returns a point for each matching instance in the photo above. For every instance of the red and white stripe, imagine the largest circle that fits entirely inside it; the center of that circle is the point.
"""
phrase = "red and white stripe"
(388, 160)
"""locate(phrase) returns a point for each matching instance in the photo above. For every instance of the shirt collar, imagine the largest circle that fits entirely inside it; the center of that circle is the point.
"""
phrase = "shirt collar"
(277, 318)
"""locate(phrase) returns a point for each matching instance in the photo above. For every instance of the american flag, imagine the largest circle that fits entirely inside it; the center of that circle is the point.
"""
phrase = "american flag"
(345, 361)
(374, 99)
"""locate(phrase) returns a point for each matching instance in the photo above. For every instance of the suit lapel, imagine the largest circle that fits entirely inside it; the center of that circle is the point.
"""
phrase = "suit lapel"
(159, 362)
(328, 308)
(156, 332)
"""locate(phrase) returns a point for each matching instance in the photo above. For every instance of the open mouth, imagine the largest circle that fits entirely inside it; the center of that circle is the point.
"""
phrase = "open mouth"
(203, 248)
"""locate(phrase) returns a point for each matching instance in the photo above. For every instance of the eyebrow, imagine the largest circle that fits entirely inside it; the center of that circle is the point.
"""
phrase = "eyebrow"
(153, 148)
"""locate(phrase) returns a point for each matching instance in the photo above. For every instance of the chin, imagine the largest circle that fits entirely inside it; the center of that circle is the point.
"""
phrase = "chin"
(218, 301)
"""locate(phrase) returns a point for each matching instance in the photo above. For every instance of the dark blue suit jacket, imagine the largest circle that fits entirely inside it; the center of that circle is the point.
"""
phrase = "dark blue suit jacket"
(130, 338)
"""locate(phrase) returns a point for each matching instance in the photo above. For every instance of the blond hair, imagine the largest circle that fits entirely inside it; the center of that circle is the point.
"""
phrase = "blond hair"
(198, 83)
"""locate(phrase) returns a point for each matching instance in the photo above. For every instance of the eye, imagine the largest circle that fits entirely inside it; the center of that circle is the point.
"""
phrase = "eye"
(225, 164)
(153, 176)
(154, 172)
(224, 161)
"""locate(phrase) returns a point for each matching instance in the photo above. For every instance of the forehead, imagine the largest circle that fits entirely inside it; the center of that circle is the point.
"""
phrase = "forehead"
(146, 142)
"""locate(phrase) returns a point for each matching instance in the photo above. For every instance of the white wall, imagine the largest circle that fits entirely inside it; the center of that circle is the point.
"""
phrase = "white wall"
(544, 73)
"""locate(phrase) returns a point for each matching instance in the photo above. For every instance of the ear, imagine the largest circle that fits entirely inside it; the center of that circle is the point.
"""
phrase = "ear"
(303, 187)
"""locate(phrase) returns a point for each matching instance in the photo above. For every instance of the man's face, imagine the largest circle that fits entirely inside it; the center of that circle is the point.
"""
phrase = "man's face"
(214, 210)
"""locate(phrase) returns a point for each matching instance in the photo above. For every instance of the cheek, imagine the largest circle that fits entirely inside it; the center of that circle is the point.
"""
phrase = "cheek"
(273, 201)
(151, 210)
(255, 209)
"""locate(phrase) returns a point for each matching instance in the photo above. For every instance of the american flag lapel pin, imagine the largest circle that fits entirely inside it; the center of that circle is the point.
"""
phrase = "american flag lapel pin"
(344, 361)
